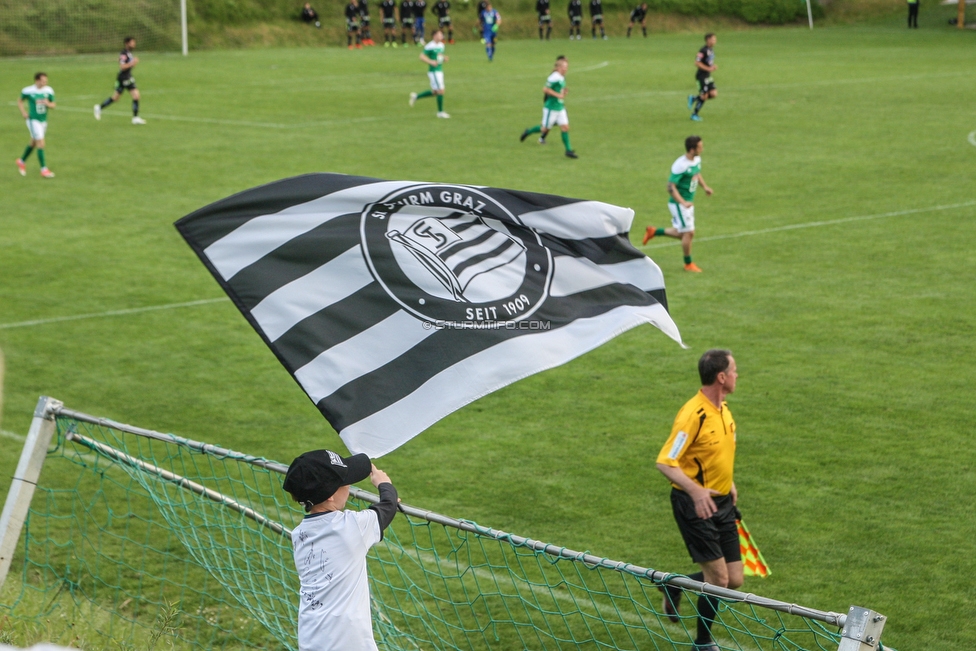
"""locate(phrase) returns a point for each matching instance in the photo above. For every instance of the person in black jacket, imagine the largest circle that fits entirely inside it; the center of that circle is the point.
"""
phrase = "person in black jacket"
(443, 12)
(596, 18)
(364, 23)
(638, 15)
(388, 9)
(545, 17)
(310, 16)
(406, 21)
(575, 17)
(352, 25)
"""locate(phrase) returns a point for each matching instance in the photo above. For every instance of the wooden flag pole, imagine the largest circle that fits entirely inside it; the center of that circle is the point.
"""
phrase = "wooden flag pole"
(961, 16)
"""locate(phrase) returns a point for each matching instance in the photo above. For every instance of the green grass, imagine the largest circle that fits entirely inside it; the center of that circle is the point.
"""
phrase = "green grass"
(854, 340)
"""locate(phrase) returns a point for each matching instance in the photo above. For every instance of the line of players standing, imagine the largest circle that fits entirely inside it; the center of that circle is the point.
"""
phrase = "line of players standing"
(575, 13)
(412, 15)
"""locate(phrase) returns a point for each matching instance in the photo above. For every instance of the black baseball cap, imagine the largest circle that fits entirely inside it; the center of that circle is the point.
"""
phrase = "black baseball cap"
(315, 476)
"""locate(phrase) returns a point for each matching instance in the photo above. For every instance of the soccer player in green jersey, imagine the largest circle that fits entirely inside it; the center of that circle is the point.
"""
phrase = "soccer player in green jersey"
(554, 107)
(433, 55)
(40, 98)
(684, 180)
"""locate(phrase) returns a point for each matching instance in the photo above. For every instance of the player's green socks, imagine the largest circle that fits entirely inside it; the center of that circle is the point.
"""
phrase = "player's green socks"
(658, 231)
(40, 157)
(536, 129)
(440, 103)
(687, 259)
(424, 94)
(565, 135)
(27, 152)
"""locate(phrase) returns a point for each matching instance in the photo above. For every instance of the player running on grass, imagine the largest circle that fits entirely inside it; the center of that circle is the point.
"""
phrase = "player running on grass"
(433, 55)
(40, 98)
(491, 20)
(554, 107)
(638, 15)
(705, 62)
(443, 12)
(124, 81)
(545, 17)
(684, 180)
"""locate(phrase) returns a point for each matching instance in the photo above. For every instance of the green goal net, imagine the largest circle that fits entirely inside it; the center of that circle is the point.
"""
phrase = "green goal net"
(135, 538)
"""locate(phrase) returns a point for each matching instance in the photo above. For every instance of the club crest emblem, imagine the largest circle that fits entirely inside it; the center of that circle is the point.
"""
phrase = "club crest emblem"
(453, 254)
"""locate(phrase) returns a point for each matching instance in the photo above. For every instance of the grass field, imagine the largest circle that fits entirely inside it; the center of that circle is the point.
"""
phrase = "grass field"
(839, 262)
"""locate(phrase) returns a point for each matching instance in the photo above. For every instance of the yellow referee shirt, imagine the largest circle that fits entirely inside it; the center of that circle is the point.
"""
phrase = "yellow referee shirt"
(702, 444)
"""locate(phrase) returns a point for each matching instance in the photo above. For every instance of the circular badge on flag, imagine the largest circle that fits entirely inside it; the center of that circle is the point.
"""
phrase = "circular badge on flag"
(452, 254)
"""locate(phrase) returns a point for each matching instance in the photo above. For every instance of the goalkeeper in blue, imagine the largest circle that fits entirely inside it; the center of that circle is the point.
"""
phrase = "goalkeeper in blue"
(490, 22)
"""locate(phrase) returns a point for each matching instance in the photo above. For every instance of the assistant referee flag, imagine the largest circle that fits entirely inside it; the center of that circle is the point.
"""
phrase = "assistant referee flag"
(394, 303)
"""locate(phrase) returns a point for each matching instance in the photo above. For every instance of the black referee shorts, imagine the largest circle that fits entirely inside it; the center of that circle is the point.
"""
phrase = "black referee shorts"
(711, 539)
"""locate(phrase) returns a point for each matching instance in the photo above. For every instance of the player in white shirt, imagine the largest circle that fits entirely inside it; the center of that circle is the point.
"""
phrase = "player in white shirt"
(330, 547)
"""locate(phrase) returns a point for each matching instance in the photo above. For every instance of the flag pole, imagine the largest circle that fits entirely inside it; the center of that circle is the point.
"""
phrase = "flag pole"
(186, 45)
(961, 15)
(809, 13)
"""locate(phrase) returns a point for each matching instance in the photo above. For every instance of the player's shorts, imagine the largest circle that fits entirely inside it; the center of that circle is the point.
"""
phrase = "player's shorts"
(37, 128)
(576, 20)
(436, 80)
(419, 24)
(598, 18)
(406, 22)
(552, 117)
(682, 218)
(545, 19)
(129, 84)
(711, 539)
(365, 19)
(489, 35)
(352, 25)
(445, 21)
(389, 23)
(705, 85)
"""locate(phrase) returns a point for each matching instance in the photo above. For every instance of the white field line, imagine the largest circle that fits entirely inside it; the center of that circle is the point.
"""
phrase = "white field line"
(972, 138)
(134, 310)
(13, 436)
(827, 222)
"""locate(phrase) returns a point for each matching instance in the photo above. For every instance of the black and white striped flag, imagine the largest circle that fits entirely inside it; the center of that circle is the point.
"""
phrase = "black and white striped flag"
(394, 303)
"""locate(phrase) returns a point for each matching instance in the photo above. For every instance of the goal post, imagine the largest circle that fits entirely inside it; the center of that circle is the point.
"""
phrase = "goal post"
(128, 524)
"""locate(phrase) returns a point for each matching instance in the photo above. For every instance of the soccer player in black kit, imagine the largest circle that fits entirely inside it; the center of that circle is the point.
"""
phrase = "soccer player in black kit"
(419, 18)
(575, 18)
(705, 64)
(406, 20)
(352, 25)
(388, 9)
(545, 17)
(443, 12)
(638, 15)
(124, 81)
(364, 23)
(596, 18)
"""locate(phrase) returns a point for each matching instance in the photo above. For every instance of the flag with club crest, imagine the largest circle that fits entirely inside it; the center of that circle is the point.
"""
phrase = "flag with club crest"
(394, 303)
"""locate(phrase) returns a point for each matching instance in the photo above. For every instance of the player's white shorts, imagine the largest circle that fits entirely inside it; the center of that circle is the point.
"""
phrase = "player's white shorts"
(682, 218)
(37, 129)
(551, 118)
(436, 80)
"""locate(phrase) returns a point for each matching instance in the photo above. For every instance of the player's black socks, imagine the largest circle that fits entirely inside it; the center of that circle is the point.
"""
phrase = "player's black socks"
(548, 32)
(644, 29)
(707, 607)
(135, 108)
(107, 102)
(628, 32)
(540, 33)
(603, 32)
(593, 32)
(698, 104)
(450, 35)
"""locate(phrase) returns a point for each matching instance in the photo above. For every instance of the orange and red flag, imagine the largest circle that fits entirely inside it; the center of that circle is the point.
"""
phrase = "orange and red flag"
(753, 563)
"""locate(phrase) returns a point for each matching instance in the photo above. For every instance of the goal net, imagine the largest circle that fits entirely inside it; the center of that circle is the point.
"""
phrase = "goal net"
(133, 536)
(79, 26)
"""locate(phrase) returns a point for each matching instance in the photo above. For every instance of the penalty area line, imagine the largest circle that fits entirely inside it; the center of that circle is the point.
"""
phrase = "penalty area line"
(13, 436)
(972, 138)
(97, 315)
(825, 222)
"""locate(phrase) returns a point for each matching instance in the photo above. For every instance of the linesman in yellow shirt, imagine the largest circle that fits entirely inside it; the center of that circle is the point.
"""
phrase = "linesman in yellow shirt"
(698, 459)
